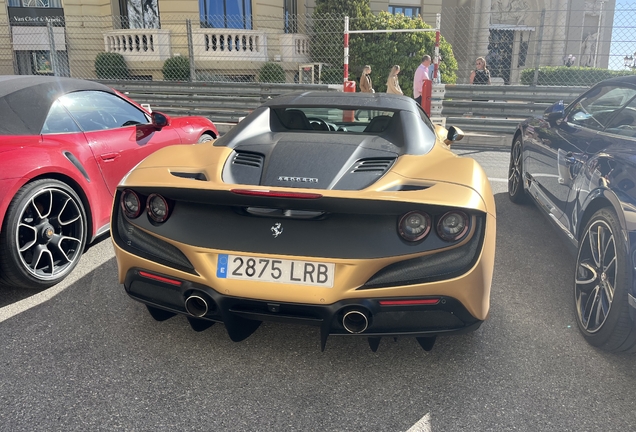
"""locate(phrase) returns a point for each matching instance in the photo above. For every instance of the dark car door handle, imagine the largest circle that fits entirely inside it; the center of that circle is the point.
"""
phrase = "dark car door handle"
(109, 157)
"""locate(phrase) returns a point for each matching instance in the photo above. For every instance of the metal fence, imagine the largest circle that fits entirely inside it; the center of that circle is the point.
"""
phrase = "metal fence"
(562, 46)
(558, 46)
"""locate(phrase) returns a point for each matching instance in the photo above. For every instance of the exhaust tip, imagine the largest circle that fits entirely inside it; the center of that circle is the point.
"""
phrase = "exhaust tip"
(196, 306)
(355, 321)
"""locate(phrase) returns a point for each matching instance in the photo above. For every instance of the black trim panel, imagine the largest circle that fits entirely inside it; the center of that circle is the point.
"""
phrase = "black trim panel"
(349, 228)
(448, 316)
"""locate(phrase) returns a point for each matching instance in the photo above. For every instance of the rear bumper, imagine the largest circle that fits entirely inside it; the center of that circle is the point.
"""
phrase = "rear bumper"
(444, 317)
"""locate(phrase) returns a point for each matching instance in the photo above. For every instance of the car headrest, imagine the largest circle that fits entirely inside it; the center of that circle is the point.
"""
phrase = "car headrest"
(378, 124)
(296, 120)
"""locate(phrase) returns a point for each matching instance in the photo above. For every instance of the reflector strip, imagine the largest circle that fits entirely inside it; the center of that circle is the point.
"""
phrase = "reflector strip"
(274, 194)
(409, 302)
(159, 278)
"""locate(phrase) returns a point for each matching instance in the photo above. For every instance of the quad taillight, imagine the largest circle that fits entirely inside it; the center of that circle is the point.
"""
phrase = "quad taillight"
(130, 204)
(156, 206)
(414, 226)
(452, 226)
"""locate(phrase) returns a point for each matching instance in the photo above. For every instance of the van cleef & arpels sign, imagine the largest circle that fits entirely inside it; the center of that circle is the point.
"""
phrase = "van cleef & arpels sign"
(22, 16)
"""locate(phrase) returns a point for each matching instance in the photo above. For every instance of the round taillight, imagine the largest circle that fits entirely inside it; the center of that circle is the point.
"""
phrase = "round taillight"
(414, 226)
(453, 225)
(157, 208)
(130, 204)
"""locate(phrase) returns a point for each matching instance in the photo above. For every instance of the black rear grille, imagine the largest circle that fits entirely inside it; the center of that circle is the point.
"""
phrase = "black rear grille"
(249, 159)
(377, 165)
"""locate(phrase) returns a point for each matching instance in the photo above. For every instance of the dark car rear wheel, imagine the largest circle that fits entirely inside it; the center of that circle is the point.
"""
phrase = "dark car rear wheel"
(602, 279)
(516, 193)
(43, 235)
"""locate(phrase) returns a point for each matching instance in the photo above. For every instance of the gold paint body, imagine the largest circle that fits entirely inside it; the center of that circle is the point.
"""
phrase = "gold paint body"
(451, 180)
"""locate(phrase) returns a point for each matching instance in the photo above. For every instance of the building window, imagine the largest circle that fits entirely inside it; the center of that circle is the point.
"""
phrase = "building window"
(139, 14)
(36, 3)
(226, 13)
(291, 16)
(409, 11)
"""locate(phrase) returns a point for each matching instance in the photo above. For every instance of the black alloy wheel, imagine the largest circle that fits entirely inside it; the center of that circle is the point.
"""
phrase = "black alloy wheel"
(601, 285)
(516, 192)
(43, 235)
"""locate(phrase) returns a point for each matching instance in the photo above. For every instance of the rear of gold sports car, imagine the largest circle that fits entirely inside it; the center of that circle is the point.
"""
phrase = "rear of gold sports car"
(411, 254)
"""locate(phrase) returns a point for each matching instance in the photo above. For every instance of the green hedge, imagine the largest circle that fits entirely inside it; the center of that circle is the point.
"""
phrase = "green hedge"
(176, 69)
(111, 66)
(332, 75)
(271, 73)
(570, 76)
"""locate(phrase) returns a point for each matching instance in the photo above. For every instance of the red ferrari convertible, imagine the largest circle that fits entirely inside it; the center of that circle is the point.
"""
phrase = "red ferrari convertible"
(64, 146)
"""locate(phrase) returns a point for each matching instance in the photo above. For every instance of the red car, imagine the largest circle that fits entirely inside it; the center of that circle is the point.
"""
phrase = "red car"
(64, 146)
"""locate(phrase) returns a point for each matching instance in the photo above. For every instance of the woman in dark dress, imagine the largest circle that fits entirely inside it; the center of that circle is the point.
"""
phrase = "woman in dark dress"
(481, 74)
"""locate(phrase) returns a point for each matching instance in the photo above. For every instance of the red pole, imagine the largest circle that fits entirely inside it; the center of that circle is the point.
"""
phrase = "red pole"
(346, 50)
(438, 24)
(427, 91)
(436, 64)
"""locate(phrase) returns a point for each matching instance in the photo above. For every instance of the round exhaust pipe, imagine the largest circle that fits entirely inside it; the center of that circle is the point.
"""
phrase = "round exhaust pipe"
(196, 306)
(356, 321)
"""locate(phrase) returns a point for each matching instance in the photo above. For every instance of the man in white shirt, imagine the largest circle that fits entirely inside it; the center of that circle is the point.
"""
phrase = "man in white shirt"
(421, 74)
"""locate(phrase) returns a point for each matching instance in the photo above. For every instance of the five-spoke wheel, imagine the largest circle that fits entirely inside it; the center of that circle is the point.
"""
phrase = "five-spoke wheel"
(43, 236)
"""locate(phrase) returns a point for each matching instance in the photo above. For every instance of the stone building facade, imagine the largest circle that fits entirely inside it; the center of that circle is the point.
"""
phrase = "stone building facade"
(244, 34)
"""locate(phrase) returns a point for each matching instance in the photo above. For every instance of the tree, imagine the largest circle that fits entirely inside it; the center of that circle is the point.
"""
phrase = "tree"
(328, 25)
(380, 50)
(383, 50)
(351, 8)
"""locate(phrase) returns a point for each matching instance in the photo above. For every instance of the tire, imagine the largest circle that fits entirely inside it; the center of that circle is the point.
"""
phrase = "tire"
(516, 191)
(601, 284)
(43, 235)
(205, 138)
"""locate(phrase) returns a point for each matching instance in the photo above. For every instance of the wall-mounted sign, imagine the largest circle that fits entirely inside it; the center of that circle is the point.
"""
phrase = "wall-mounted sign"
(23, 16)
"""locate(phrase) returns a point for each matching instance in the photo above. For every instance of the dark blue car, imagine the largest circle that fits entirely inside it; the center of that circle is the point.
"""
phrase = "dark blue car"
(578, 163)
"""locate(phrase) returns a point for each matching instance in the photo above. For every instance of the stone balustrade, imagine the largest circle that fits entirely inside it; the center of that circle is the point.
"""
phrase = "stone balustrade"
(223, 44)
(139, 44)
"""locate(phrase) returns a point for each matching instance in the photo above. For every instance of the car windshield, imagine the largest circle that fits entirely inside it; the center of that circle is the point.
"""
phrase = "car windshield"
(329, 119)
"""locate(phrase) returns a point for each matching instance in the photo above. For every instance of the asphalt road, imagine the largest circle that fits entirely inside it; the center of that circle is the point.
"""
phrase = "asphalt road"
(82, 356)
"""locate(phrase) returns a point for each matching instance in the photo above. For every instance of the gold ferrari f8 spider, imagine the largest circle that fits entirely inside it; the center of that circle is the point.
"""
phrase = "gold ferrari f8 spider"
(339, 210)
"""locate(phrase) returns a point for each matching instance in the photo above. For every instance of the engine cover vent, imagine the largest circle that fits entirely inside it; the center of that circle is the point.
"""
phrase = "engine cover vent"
(375, 165)
(249, 159)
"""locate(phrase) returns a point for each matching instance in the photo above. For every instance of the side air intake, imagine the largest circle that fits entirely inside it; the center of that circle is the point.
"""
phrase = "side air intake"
(248, 159)
(374, 165)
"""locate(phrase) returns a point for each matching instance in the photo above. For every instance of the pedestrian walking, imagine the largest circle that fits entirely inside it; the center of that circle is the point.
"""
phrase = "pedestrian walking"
(366, 86)
(421, 74)
(392, 83)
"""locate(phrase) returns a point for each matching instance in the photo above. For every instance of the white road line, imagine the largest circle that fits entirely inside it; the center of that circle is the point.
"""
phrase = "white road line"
(424, 425)
(498, 180)
(95, 256)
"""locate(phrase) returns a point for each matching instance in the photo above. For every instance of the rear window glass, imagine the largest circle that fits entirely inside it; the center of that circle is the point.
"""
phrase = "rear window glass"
(329, 119)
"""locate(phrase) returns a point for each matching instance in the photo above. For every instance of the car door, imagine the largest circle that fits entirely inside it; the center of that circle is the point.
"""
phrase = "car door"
(119, 134)
(567, 149)
(601, 170)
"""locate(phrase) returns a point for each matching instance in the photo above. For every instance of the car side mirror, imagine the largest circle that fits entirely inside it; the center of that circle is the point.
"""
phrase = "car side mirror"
(159, 120)
(454, 134)
(554, 112)
(553, 116)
